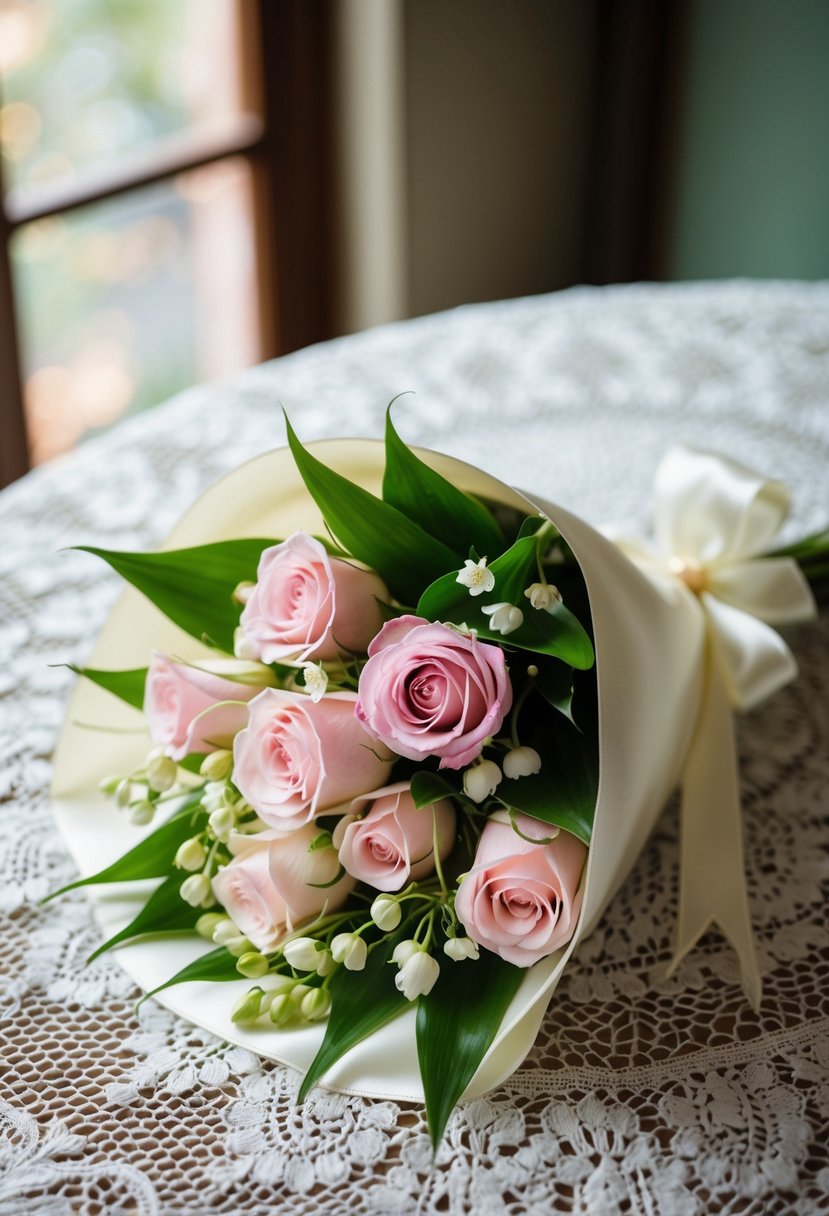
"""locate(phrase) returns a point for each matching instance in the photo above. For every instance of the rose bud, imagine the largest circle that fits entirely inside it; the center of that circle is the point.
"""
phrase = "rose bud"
(182, 703)
(428, 690)
(267, 888)
(296, 758)
(392, 843)
(522, 900)
(308, 605)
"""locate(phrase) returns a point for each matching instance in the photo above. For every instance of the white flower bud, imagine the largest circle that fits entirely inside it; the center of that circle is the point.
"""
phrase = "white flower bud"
(195, 890)
(248, 1007)
(418, 976)
(222, 821)
(303, 953)
(298, 992)
(190, 855)
(459, 948)
(162, 774)
(350, 950)
(142, 813)
(282, 1009)
(543, 596)
(224, 931)
(239, 945)
(521, 762)
(315, 1005)
(206, 925)
(403, 951)
(241, 592)
(217, 765)
(503, 618)
(108, 785)
(480, 781)
(325, 963)
(252, 964)
(385, 912)
(123, 793)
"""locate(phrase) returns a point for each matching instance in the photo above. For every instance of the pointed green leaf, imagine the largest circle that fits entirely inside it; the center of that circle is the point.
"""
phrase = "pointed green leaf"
(430, 500)
(218, 965)
(427, 788)
(405, 557)
(556, 633)
(153, 857)
(193, 587)
(164, 912)
(361, 1002)
(456, 1024)
(128, 685)
(555, 683)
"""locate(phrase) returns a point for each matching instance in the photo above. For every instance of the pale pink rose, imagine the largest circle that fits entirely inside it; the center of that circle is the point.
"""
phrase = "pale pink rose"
(428, 690)
(296, 758)
(522, 900)
(307, 605)
(182, 703)
(267, 888)
(391, 844)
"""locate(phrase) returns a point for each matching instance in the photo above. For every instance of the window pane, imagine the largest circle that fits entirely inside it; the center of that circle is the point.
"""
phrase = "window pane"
(85, 82)
(128, 301)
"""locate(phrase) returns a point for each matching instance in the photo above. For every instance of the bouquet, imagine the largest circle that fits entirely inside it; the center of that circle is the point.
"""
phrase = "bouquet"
(404, 749)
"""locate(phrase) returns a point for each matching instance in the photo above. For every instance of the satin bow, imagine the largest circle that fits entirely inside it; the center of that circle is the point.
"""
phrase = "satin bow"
(714, 518)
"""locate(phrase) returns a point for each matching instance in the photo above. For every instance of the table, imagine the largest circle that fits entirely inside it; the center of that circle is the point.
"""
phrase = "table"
(641, 1095)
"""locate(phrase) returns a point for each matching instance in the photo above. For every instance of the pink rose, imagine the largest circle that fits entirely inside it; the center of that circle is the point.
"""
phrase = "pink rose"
(181, 703)
(392, 843)
(306, 604)
(297, 758)
(428, 690)
(267, 888)
(522, 900)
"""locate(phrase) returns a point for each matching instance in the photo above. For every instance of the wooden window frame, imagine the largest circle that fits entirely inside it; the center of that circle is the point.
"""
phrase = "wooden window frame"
(284, 134)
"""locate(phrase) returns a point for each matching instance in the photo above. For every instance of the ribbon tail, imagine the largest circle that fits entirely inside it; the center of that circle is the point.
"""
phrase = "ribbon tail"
(712, 884)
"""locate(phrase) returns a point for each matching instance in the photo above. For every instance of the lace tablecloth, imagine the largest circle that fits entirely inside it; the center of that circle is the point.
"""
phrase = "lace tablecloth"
(641, 1095)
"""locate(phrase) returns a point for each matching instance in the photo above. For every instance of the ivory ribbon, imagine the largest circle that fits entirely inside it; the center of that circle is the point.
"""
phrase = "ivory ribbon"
(713, 520)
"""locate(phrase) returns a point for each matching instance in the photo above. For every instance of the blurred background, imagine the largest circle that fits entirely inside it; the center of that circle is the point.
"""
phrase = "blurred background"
(191, 186)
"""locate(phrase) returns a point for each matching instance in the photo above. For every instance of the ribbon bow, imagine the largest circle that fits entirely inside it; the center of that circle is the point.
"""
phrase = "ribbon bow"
(714, 519)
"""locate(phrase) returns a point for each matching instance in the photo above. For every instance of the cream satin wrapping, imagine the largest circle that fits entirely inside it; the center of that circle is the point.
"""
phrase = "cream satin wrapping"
(649, 639)
(714, 518)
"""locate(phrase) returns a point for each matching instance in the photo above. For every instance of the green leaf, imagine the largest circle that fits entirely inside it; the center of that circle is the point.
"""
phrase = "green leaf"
(556, 633)
(164, 912)
(456, 1024)
(153, 857)
(218, 965)
(430, 500)
(564, 791)
(193, 587)
(427, 788)
(128, 685)
(555, 683)
(373, 531)
(361, 1002)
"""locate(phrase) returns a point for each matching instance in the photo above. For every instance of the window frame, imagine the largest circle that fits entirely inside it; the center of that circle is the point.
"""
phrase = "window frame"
(283, 132)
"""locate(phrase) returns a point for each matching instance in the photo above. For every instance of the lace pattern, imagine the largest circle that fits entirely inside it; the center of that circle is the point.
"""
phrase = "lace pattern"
(641, 1094)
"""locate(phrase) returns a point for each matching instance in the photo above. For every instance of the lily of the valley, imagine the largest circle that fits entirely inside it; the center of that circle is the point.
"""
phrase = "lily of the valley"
(503, 618)
(521, 762)
(543, 596)
(480, 780)
(418, 976)
(316, 681)
(476, 577)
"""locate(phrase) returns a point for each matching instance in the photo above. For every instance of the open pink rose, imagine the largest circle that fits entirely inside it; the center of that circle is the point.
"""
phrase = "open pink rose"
(392, 843)
(428, 690)
(267, 888)
(522, 900)
(307, 605)
(297, 758)
(182, 703)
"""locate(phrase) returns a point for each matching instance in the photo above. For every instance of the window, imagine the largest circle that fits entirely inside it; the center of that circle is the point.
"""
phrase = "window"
(158, 161)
